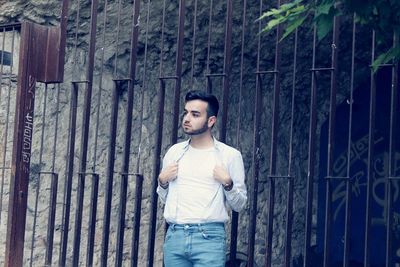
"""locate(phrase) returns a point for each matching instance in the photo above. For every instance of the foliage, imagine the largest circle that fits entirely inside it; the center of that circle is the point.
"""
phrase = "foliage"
(383, 16)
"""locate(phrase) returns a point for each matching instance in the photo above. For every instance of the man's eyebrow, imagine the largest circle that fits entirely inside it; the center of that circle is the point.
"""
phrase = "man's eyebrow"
(192, 111)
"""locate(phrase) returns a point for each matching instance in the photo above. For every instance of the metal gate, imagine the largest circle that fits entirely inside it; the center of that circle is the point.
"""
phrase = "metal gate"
(317, 127)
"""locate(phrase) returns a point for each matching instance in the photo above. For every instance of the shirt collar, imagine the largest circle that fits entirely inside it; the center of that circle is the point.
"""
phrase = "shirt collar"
(187, 143)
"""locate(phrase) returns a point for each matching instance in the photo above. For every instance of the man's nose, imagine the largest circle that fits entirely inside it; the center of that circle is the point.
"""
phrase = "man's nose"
(186, 117)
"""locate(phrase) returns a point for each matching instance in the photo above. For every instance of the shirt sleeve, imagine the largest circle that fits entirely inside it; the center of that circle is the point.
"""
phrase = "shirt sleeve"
(237, 197)
(162, 193)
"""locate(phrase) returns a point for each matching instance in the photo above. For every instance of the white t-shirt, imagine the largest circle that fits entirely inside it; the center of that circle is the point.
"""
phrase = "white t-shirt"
(199, 196)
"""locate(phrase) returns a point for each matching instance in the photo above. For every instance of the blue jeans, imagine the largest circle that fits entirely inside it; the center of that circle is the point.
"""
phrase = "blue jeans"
(197, 245)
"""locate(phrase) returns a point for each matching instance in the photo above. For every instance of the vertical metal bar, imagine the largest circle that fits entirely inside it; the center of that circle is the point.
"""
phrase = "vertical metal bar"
(2, 57)
(178, 71)
(139, 177)
(110, 172)
(56, 128)
(193, 42)
(21, 151)
(157, 152)
(311, 158)
(7, 125)
(256, 169)
(227, 69)
(208, 81)
(256, 154)
(274, 140)
(156, 170)
(110, 162)
(51, 219)
(235, 215)
(331, 138)
(71, 149)
(370, 165)
(85, 133)
(39, 174)
(6, 130)
(96, 132)
(290, 183)
(128, 132)
(69, 174)
(393, 144)
(136, 222)
(49, 252)
(349, 184)
(94, 195)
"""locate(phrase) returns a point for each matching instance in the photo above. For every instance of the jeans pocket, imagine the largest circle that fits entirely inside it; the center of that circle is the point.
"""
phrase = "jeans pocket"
(214, 235)
(168, 235)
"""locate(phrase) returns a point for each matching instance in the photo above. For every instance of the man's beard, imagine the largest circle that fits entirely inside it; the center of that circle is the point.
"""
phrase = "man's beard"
(199, 131)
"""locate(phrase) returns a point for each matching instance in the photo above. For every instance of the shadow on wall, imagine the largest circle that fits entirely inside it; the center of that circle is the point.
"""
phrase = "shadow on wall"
(358, 174)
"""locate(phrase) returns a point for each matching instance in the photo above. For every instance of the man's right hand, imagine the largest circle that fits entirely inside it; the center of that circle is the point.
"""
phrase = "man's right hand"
(168, 174)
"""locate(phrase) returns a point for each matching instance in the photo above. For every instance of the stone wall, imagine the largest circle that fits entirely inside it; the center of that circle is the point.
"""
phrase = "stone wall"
(114, 63)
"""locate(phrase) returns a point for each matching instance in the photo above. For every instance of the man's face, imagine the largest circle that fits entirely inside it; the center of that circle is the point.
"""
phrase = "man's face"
(195, 119)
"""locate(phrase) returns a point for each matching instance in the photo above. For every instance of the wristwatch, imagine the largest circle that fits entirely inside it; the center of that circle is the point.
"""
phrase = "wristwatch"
(228, 186)
(163, 185)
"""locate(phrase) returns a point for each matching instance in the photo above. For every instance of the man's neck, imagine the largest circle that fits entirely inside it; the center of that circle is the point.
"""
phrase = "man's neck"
(202, 141)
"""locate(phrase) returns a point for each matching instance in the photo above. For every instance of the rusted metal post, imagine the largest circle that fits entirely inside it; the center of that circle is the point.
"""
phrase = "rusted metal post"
(23, 131)
(35, 40)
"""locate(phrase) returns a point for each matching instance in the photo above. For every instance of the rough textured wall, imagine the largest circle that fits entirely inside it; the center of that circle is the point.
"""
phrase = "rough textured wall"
(115, 63)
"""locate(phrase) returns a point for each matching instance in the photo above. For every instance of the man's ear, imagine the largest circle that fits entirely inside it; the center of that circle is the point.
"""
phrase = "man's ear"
(211, 121)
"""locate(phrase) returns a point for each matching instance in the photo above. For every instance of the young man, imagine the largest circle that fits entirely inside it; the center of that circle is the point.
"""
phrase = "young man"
(199, 177)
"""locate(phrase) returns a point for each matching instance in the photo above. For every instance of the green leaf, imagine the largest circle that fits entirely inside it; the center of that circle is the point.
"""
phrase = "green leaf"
(324, 8)
(272, 23)
(271, 12)
(324, 26)
(293, 26)
(296, 11)
(392, 54)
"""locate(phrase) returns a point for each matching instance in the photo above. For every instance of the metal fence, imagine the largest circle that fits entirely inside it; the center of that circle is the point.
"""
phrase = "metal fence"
(83, 205)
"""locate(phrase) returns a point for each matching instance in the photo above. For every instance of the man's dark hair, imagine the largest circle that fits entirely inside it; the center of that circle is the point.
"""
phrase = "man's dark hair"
(213, 105)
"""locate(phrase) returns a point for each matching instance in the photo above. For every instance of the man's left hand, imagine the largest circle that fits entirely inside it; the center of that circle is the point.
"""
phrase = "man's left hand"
(221, 175)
